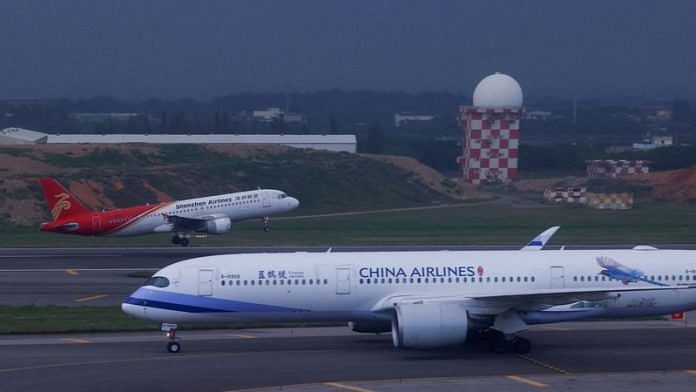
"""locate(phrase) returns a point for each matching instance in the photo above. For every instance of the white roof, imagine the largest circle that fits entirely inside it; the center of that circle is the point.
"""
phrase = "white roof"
(22, 134)
(200, 139)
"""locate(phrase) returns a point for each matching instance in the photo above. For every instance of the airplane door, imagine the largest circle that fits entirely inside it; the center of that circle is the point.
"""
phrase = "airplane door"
(96, 223)
(205, 282)
(266, 200)
(557, 277)
(343, 280)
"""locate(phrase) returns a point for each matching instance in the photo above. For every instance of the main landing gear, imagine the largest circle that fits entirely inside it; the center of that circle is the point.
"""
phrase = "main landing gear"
(180, 240)
(173, 345)
(266, 224)
(500, 343)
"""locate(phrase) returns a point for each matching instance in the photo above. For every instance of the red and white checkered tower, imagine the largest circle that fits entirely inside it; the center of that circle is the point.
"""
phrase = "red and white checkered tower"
(491, 131)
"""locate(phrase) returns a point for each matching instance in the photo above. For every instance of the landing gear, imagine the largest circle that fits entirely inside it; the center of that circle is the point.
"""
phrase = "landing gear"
(180, 240)
(521, 345)
(173, 345)
(500, 343)
(266, 224)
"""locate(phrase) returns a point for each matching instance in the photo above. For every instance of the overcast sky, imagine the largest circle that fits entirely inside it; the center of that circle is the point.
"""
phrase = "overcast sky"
(202, 49)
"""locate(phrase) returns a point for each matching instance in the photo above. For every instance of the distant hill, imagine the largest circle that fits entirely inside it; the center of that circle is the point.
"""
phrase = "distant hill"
(111, 176)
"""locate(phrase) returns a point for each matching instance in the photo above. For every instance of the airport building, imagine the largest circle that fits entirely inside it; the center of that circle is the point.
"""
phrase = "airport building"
(335, 143)
(491, 131)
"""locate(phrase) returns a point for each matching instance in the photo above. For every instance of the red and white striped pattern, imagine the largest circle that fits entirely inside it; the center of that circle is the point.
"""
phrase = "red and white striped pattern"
(616, 168)
(490, 145)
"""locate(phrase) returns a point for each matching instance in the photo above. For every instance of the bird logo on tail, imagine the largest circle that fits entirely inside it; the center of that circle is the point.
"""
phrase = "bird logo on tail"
(61, 204)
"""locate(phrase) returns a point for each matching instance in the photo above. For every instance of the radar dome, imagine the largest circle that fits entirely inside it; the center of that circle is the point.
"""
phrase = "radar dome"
(497, 91)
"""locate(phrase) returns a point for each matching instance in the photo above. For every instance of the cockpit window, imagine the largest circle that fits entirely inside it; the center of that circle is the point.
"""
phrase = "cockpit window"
(157, 281)
(282, 196)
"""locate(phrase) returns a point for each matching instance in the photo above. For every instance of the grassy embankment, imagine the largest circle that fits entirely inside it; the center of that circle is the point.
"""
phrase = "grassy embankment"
(494, 222)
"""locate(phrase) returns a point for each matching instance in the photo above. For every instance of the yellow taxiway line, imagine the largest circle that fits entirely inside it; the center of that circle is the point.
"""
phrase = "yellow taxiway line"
(75, 340)
(72, 272)
(526, 381)
(347, 387)
(92, 298)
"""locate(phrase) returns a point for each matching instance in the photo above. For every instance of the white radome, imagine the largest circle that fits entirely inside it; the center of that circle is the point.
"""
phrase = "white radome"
(498, 91)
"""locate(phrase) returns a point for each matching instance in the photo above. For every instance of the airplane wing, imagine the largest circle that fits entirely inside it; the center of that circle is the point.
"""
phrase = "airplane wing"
(493, 304)
(181, 223)
(540, 241)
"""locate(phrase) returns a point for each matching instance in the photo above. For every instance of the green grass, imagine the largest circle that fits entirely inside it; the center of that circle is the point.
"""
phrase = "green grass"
(54, 319)
(57, 319)
(465, 224)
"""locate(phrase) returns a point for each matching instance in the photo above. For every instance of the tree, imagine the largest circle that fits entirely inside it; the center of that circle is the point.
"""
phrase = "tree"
(334, 129)
(375, 139)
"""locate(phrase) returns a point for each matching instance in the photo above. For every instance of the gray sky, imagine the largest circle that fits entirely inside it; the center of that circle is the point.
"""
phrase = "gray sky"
(202, 49)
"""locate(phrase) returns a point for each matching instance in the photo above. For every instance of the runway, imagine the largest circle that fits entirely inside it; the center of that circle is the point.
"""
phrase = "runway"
(603, 356)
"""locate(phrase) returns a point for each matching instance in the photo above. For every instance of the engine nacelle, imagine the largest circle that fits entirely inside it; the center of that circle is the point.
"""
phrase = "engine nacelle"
(218, 226)
(429, 325)
(370, 326)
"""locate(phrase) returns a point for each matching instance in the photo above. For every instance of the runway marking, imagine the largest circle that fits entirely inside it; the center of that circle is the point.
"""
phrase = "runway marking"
(71, 272)
(691, 372)
(98, 296)
(166, 358)
(241, 336)
(348, 387)
(527, 381)
(542, 364)
(75, 340)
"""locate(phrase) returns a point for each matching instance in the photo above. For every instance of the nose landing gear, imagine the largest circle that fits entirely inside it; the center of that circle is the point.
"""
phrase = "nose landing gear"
(266, 224)
(180, 240)
(173, 345)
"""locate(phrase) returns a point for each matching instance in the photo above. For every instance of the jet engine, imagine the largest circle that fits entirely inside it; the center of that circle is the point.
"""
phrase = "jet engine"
(218, 226)
(370, 326)
(428, 325)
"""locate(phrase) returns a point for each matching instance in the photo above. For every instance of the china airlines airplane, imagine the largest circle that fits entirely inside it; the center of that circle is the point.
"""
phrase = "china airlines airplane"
(426, 299)
(212, 214)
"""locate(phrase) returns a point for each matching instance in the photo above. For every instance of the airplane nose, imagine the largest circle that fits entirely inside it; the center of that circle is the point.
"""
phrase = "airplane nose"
(292, 202)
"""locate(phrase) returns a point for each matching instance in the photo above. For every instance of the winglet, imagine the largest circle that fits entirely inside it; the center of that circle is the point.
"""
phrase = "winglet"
(542, 239)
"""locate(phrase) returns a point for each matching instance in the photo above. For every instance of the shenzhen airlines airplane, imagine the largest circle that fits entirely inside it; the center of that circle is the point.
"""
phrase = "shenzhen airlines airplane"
(212, 214)
(426, 299)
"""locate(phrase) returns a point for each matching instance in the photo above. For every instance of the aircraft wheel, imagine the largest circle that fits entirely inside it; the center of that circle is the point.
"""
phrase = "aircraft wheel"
(521, 346)
(184, 242)
(175, 240)
(266, 229)
(173, 347)
(497, 342)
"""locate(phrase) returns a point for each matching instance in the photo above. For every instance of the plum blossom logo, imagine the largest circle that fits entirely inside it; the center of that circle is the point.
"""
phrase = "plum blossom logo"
(62, 204)
(480, 270)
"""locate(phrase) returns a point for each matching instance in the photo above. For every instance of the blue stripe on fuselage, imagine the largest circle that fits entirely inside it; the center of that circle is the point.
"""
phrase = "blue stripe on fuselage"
(197, 304)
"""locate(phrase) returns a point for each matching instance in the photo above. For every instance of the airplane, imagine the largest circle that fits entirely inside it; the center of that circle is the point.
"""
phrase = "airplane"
(210, 214)
(426, 299)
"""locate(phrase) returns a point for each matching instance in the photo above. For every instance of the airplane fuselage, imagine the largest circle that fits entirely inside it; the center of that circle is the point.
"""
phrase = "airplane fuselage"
(153, 218)
(367, 286)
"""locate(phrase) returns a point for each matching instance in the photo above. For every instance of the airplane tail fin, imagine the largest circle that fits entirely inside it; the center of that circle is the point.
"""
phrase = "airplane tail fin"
(61, 202)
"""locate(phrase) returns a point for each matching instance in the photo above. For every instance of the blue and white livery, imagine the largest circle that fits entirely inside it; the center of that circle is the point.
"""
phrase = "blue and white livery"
(426, 299)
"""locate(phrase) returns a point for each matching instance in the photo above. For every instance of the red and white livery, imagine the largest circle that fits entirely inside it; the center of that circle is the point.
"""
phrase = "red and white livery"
(211, 214)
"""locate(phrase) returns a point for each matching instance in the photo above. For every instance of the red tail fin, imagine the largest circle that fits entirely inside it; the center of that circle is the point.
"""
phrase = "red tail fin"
(61, 202)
